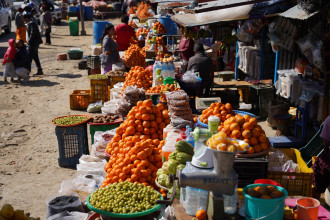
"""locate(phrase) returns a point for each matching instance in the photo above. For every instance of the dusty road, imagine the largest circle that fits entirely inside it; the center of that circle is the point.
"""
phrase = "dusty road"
(29, 172)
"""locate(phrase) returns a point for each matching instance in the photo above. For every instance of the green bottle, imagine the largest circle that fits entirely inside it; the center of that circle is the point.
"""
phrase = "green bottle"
(159, 77)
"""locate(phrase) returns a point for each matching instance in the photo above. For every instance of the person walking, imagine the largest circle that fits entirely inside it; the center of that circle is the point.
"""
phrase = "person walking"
(8, 60)
(20, 26)
(22, 65)
(110, 53)
(33, 42)
(46, 23)
(124, 33)
(203, 65)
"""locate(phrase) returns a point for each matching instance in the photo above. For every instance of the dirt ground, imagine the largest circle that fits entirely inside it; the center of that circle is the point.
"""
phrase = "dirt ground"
(29, 172)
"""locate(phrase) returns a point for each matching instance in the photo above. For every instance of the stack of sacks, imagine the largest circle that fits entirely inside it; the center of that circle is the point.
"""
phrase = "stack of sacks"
(179, 109)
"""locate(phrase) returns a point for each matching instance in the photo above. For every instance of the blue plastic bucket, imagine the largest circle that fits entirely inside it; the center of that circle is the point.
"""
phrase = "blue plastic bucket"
(169, 24)
(98, 28)
(78, 8)
(89, 13)
(73, 9)
(265, 209)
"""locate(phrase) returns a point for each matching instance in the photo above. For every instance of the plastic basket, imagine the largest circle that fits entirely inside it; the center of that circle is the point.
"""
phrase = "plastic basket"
(250, 169)
(72, 144)
(94, 62)
(133, 215)
(99, 90)
(79, 99)
(116, 79)
(102, 127)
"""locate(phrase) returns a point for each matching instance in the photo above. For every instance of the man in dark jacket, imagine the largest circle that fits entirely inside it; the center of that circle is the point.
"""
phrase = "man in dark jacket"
(203, 65)
(22, 62)
(33, 42)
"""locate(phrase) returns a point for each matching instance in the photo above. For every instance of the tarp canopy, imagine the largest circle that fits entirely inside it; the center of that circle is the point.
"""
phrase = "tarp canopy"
(210, 17)
(297, 13)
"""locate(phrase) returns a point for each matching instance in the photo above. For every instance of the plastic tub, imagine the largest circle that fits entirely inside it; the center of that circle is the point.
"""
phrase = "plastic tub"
(266, 181)
(98, 28)
(307, 209)
(73, 9)
(89, 13)
(266, 209)
(75, 54)
(169, 24)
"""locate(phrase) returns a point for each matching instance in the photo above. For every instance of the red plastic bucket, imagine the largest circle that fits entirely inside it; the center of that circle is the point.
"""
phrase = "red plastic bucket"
(266, 181)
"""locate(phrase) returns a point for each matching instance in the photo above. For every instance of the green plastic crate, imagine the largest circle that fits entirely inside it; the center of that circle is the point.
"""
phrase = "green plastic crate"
(106, 127)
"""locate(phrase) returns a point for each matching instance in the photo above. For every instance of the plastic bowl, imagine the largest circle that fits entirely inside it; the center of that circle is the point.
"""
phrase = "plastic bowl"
(116, 215)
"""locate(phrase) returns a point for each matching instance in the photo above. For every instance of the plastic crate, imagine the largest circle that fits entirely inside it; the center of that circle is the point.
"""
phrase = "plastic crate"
(72, 143)
(250, 169)
(79, 99)
(99, 90)
(95, 128)
(94, 62)
(116, 79)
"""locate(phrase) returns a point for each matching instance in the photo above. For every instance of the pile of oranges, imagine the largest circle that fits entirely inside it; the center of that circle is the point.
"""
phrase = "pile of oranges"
(142, 11)
(132, 24)
(159, 27)
(133, 41)
(247, 129)
(132, 10)
(136, 148)
(141, 31)
(134, 56)
(223, 111)
(159, 88)
(138, 76)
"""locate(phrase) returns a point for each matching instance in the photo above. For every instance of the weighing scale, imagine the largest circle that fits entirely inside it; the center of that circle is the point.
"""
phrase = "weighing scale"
(204, 103)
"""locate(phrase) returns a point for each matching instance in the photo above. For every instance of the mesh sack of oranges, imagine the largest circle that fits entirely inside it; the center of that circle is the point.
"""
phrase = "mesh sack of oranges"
(138, 76)
(247, 129)
(223, 111)
(134, 56)
(135, 150)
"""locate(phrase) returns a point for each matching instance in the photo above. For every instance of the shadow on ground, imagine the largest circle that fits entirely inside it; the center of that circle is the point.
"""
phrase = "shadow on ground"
(40, 83)
(68, 75)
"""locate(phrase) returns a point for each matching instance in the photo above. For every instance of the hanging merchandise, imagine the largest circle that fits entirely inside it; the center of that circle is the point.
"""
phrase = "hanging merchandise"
(249, 29)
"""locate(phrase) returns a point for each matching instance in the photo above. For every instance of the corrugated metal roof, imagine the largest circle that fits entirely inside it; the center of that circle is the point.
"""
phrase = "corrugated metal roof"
(297, 13)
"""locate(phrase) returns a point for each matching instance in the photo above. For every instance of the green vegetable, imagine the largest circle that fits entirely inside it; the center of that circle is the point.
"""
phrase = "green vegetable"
(124, 198)
(165, 167)
(177, 194)
(172, 166)
(181, 167)
(160, 172)
(183, 157)
(185, 147)
(163, 180)
(70, 120)
(98, 76)
(172, 155)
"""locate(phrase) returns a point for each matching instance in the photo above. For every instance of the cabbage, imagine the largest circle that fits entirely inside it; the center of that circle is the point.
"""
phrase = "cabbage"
(182, 158)
(172, 155)
(172, 166)
(165, 167)
(163, 180)
(160, 172)
(180, 166)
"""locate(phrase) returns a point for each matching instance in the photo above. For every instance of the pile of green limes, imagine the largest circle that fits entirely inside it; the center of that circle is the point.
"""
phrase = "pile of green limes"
(70, 120)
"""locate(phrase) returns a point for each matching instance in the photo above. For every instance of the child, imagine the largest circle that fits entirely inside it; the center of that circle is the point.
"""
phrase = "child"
(8, 58)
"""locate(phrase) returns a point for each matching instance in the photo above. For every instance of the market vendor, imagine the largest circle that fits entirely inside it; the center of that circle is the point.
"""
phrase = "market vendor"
(321, 167)
(124, 33)
(203, 65)
(186, 48)
(110, 53)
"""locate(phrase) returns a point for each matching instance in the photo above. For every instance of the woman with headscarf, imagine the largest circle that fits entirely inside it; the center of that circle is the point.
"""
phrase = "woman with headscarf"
(110, 53)
(20, 26)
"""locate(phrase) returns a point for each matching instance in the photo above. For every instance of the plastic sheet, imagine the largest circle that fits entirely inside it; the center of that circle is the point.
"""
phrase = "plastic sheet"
(110, 107)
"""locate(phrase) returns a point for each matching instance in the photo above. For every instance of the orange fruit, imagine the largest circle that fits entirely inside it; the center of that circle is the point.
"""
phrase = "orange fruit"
(236, 133)
(253, 141)
(234, 126)
(246, 117)
(262, 138)
(165, 114)
(228, 107)
(239, 119)
(145, 117)
(246, 134)
(264, 146)
(143, 110)
(271, 189)
(201, 214)
(265, 197)
(255, 133)
(247, 141)
(247, 126)
(226, 131)
(147, 103)
(139, 128)
(253, 121)
(251, 150)
(257, 148)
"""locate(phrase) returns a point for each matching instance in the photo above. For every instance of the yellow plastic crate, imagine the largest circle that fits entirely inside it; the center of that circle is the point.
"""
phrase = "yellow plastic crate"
(99, 90)
(116, 79)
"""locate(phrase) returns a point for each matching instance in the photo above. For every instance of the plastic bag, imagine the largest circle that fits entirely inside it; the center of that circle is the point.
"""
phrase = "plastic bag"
(90, 159)
(69, 216)
(177, 95)
(181, 123)
(290, 166)
(118, 66)
(95, 168)
(115, 92)
(276, 160)
(95, 107)
(169, 214)
(74, 205)
(190, 77)
(110, 107)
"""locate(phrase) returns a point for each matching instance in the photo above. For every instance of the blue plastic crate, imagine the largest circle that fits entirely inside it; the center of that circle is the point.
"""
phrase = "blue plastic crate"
(72, 143)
